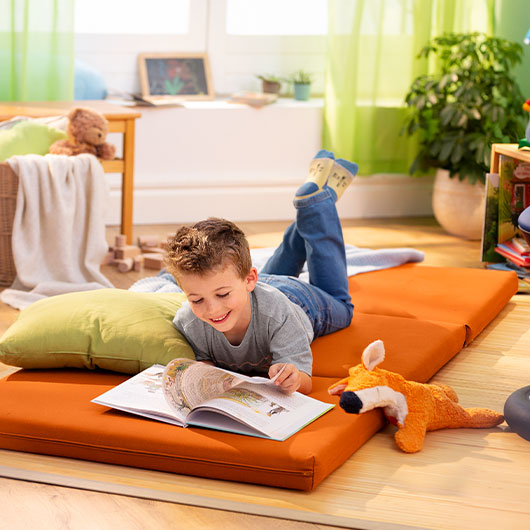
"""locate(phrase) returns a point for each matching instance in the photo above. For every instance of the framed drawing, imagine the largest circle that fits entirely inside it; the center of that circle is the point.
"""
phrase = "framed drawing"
(175, 75)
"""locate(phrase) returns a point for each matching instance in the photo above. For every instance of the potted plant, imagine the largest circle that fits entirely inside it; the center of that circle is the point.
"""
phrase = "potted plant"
(471, 102)
(301, 81)
(270, 84)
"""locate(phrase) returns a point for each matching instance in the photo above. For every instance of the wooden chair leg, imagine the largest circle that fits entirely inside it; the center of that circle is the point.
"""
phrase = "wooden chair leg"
(128, 182)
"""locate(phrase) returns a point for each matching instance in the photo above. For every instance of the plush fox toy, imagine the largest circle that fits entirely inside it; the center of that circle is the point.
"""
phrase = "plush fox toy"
(414, 407)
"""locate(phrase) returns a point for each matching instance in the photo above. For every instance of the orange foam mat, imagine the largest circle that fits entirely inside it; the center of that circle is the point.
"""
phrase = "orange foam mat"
(472, 297)
(49, 412)
(424, 315)
(416, 349)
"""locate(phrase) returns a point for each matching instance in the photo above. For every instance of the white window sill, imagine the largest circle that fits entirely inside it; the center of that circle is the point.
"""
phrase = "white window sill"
(224, 103)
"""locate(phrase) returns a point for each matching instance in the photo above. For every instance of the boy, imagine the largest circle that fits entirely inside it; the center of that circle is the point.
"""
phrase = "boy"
(245, 323)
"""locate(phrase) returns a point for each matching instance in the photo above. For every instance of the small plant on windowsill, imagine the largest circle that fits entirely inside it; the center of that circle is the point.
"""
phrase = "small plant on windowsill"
(270, 84)
(301, 81)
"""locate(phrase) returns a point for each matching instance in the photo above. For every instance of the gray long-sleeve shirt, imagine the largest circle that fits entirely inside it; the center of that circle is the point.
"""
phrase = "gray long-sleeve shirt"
(279, 332)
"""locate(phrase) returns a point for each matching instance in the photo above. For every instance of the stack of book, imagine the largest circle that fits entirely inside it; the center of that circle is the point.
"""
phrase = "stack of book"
(507, 194)
(517, 252)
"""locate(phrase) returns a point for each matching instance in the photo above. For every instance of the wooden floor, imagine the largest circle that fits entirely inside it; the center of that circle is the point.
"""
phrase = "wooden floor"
(58, 508)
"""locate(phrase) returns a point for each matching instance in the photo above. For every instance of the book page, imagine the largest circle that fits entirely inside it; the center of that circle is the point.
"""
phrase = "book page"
(188, 383)
(264, 407)
(142, 394)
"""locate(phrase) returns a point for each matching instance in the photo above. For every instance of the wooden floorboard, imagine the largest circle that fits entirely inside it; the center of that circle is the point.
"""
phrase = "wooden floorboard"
(483, 475)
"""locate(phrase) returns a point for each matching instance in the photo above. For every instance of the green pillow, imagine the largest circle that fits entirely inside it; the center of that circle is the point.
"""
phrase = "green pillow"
(113, 329)
(28, 137)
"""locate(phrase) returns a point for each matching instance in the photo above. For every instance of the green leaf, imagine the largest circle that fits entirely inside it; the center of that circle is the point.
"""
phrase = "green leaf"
(447, 148)
(447, 114)
(462, 122)
(475, 114)
(457, 153)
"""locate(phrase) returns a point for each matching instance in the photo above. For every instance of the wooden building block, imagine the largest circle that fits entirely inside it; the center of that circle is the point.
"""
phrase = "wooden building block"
(124, 265)
(151, 250)
(129, 251)
(148, 241)
(154, 260)
(120, 241)
(138, 265)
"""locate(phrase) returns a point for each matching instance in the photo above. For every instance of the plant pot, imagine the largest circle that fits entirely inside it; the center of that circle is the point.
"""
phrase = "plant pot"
(458, 205)
(301, 91)
(270, 87)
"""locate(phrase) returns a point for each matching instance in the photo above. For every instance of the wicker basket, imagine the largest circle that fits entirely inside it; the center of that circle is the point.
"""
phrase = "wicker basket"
(8, 201)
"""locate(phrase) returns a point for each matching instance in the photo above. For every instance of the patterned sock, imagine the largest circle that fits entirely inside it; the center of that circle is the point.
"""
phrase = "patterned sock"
(338, 179)
(341, 176)
(319, 170)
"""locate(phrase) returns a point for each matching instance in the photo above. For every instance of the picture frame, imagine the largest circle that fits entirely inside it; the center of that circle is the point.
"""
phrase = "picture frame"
(175, 76)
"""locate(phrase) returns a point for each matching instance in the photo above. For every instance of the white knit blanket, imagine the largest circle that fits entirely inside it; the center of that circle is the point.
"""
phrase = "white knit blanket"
(358, 260)
(58, 237)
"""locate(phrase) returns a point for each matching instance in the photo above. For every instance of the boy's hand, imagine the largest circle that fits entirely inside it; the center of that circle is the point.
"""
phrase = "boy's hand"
(290, 379)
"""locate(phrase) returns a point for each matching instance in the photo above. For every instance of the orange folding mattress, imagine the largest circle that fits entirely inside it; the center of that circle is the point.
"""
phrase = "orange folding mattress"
(424, 315)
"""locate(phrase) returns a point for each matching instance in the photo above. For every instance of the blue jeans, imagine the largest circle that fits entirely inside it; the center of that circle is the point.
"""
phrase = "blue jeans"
(315, 237)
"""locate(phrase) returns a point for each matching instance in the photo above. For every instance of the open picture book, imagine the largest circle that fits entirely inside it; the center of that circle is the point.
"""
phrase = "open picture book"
(191, 393)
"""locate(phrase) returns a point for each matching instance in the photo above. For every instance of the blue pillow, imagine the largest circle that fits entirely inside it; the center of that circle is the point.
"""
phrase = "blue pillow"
(88, 83)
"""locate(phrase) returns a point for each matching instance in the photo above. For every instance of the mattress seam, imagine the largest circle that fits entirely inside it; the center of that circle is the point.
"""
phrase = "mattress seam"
(309, 473)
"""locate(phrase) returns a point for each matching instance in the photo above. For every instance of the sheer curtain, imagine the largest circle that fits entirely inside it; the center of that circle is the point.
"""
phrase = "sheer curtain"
(36, 50)
(371, 62)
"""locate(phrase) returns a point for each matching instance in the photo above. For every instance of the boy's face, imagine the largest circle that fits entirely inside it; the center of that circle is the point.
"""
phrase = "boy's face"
(221, 298)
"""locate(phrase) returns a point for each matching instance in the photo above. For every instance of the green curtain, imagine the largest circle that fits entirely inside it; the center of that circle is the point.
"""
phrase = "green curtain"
(371, 62)
(36, 50)
(513, 21)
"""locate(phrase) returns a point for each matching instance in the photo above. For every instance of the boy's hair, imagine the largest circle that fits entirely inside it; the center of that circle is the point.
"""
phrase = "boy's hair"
(208, 245)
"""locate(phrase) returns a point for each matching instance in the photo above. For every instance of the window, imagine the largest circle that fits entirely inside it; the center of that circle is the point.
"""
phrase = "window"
(132, 16)
(277, 17)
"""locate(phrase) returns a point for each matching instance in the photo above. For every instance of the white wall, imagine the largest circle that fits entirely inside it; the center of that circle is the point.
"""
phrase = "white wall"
(220, 159)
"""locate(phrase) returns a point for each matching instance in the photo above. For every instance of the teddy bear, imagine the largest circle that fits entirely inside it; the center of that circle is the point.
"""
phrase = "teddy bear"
(414, 408)
(87, 131)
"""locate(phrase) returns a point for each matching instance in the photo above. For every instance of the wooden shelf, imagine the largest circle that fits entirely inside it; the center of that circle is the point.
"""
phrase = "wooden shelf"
(511, 150)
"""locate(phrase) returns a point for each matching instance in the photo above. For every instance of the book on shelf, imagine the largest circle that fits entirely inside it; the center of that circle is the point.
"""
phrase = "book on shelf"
(490, 230)
(514, 195)
(190, 393)
(509, 251)
(507, 195)
(521, 246)
(507, 265)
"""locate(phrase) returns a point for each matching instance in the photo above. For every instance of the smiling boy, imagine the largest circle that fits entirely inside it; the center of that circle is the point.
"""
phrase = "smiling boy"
(261, 325)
